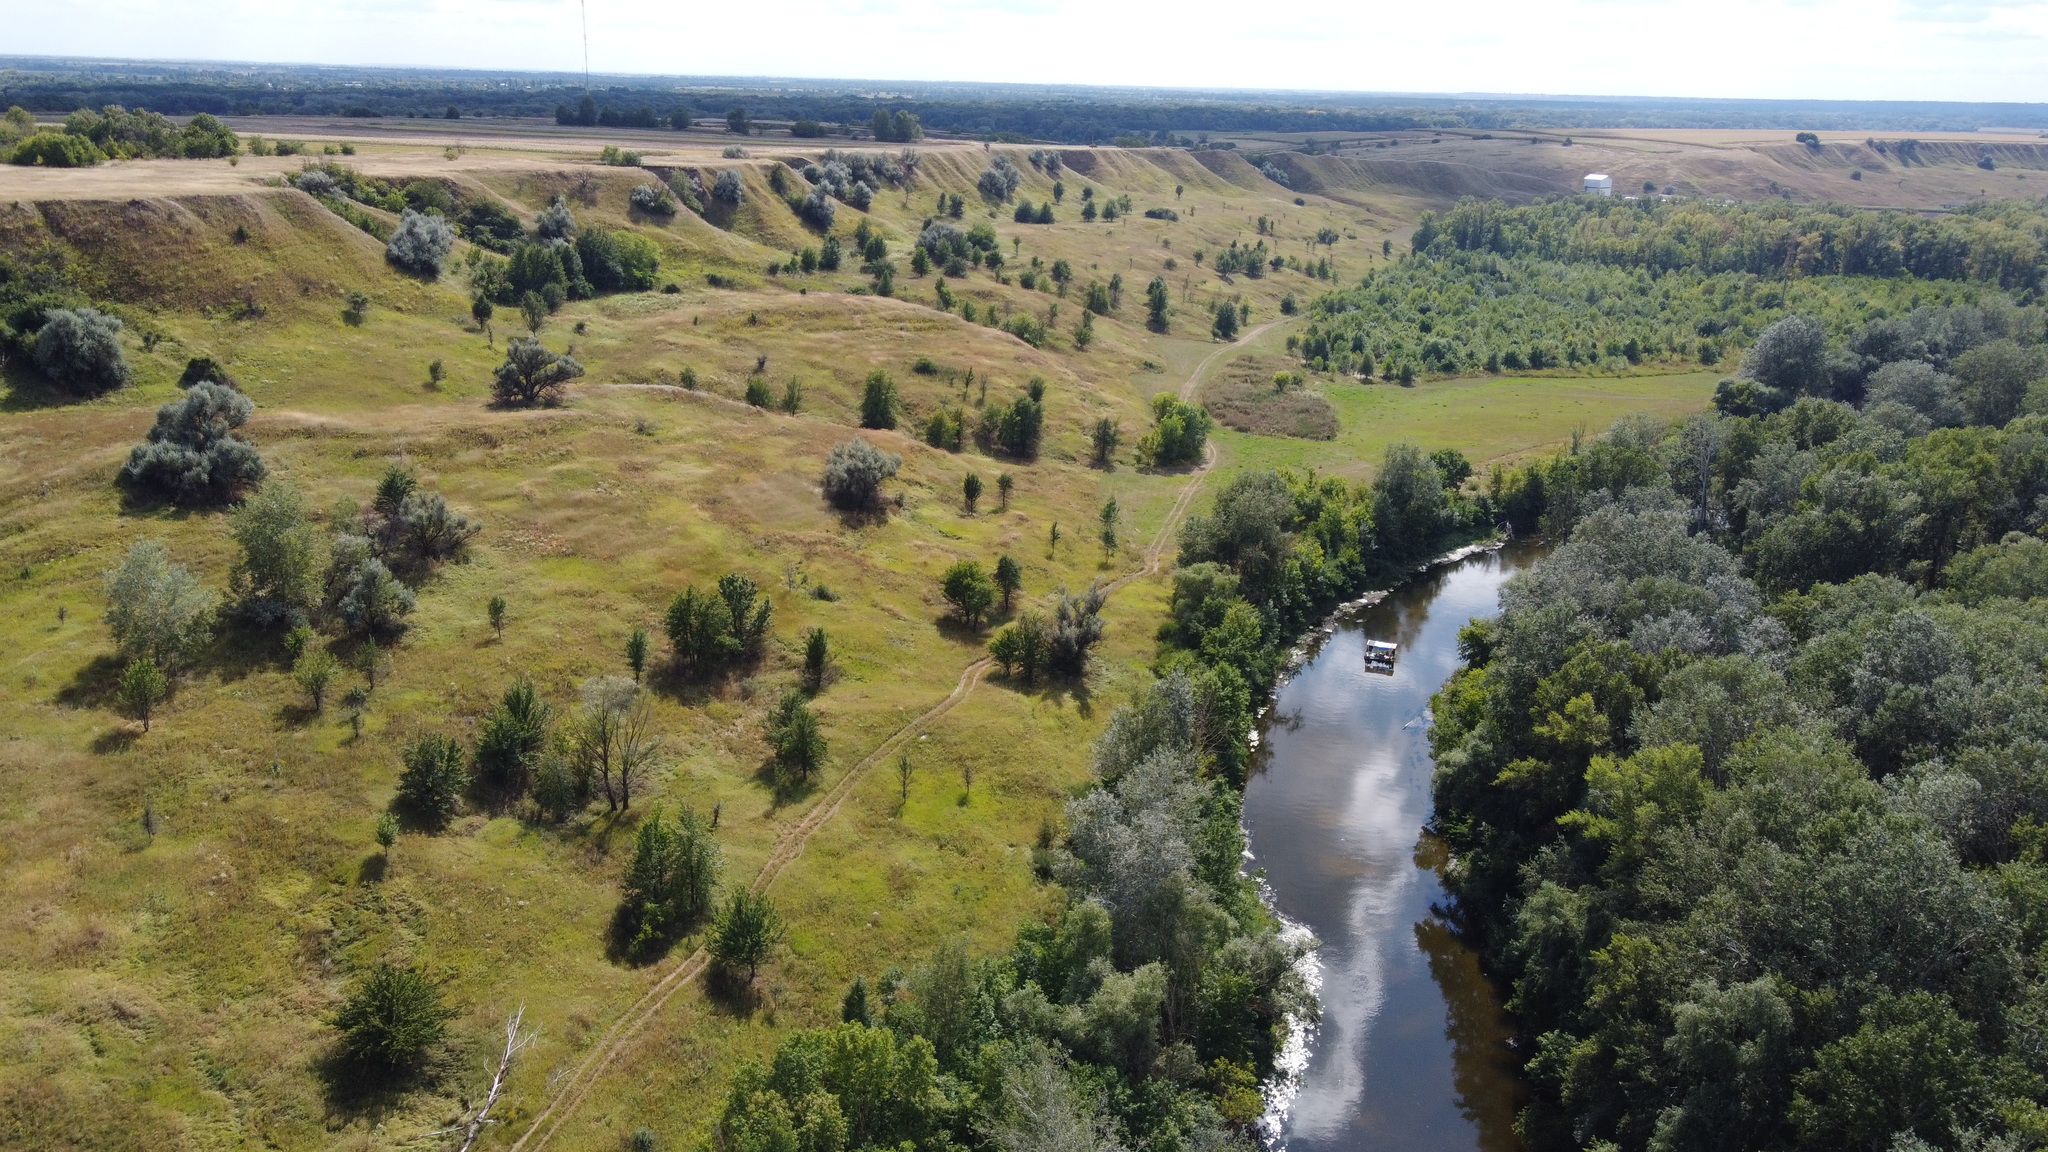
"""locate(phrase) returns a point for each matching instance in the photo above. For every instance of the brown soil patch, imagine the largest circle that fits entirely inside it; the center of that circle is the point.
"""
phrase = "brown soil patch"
(1244, 397)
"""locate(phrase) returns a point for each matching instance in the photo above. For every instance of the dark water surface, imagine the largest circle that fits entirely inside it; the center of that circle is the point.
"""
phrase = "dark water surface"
(1412, 1051)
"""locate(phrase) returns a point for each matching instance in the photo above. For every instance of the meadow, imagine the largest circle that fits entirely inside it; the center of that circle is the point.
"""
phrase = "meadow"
(186, 906)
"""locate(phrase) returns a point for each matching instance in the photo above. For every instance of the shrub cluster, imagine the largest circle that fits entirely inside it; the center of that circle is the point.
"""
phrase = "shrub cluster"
(193, 456)
(670, 882)
(817, 208)
(710, 632)
(1253, 260)
(688, 190)
(998, 182)
(80, 350)
(420, 243)
(617, 261)
(652, 199)
(1035, 644)
(1014, 429)
(854, 473)
(55, 150)
(482, 220)
(532, 374)
(1179, 433)
(836, 180)
(115, 132)
(795, 740)
(900, 127)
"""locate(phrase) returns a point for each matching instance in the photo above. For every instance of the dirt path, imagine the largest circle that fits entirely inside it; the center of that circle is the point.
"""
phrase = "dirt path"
(787, 848)
(791, 843)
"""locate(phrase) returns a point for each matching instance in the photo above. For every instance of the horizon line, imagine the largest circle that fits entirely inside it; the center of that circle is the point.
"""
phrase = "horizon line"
(85, 63)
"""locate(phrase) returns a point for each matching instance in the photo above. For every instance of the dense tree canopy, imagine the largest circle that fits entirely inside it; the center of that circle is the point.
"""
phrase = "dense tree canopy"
(1745, 781)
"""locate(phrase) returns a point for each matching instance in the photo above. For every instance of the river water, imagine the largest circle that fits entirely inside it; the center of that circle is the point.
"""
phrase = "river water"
(1413, 1049)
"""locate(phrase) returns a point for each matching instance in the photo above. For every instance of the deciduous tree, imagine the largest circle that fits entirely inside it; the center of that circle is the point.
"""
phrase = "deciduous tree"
(1009, 579)
(156, 608)
(432, 781)
(969, 590)
(531, 374)
(797, 741)
(879, 402)
(314, 670)
(143, 686)
(747, 931)
(393, 1017)
(510, 739)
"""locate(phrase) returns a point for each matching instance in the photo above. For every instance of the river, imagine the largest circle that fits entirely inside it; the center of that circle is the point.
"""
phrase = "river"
(1413, 1052)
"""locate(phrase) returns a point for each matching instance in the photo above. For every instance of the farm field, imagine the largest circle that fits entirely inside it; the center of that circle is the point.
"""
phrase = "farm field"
(183, 907)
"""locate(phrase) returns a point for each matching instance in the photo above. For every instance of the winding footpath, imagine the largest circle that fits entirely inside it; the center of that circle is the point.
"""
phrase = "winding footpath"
(578, 1085)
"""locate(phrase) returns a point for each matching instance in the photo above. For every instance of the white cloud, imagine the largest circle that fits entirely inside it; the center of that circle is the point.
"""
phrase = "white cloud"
(1959, 11)
(1850, 49)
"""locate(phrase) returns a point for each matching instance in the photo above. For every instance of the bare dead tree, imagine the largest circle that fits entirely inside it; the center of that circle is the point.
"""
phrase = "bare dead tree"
(638, 747)
(615, 741)
(599, 732)
(596, 743)
(515, 1043)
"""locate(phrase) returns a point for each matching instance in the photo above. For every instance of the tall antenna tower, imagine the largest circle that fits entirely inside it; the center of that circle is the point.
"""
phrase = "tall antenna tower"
(583, 6)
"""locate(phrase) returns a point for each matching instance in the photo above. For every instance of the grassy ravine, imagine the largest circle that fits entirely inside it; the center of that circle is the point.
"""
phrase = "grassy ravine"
(169, 993)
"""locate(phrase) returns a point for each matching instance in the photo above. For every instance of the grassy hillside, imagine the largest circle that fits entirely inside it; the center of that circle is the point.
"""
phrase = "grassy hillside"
(170, 990)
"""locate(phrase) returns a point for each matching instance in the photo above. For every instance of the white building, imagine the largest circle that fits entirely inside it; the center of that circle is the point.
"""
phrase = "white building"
(1600, 183)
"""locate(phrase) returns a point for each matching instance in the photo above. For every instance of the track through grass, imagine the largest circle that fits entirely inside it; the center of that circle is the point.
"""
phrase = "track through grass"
(791, 843)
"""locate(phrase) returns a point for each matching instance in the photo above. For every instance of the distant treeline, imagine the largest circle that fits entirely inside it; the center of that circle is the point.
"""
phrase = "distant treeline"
(1063, 120)
(1075, 115)
(2000, 242)
(1590, 283)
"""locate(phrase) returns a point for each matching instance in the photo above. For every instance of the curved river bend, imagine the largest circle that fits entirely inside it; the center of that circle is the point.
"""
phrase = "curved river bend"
(1412, 1052)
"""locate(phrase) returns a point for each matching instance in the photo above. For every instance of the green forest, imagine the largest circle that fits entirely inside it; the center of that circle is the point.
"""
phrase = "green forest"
(1599, 284)
(1996, 241)
(1747, 782)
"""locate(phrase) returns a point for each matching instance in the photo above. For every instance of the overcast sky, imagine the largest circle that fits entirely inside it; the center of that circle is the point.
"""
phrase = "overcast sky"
(1845, 49)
